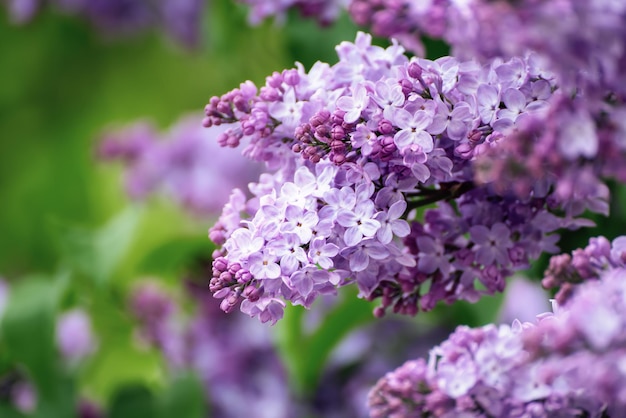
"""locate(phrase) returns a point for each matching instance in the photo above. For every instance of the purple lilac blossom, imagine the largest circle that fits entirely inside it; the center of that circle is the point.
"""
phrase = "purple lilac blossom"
(565, 272)
(569, 363)
(586, 123)
(343, 144)
(180, 19)
(186, 163)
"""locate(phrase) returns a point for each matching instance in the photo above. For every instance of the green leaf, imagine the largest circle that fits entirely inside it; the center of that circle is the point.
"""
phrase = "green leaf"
(305, 355)
(184, 398)
(133, 401)
(7, 412)
(28, 334)
(176, 255)
(98, 253)
(118, 363)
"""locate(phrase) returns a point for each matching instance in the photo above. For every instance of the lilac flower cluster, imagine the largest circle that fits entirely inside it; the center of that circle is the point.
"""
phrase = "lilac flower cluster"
(180, 19)
(568, 364)
(353, 149)
(487, 29)
(186, 164)
(324, 11)
(565, 272)
(586, 123)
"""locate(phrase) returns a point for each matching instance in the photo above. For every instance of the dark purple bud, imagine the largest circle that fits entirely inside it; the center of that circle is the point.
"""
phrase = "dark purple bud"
(338, 158)
(243, 276)
(475, 136)
(338, 146)
(322, 131)
(407, 87)
(247, 127)
(269, 94)
(226, 277)
(414, 70)
(220, 264)
(385, 127)
(291, 77)
(253, 293)
(225, 109)
(241, 104)
(226, 306)
(274, 80)
(337, 132)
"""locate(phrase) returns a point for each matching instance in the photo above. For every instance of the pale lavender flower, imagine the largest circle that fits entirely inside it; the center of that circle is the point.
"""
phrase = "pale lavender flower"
(360, 223)
(353, 105)
(491, 244)
(412, 129)
(74, 335)
(391, 223)
(321, 252)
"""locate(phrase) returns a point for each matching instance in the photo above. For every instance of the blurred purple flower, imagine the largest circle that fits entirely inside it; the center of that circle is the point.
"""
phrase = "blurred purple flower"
(187, 164)
(74, 335)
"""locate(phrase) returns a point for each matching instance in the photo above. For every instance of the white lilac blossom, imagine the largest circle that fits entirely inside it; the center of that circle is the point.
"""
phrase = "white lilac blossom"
(179, 19)
(186, 164)
(365, 142)
(569, 363)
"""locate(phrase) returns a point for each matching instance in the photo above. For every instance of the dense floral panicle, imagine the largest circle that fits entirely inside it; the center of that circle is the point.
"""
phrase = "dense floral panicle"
(586, 123)
(324, 11)
(186, 163)
(566, 364)
(180, 19)
(353, 148)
